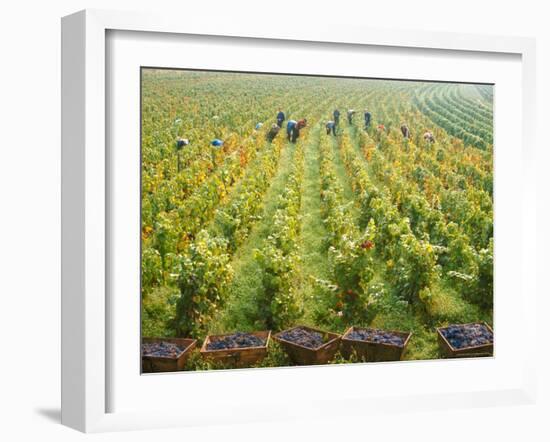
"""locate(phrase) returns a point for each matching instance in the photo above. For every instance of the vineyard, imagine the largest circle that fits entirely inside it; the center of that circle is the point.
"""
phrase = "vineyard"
(365, 228)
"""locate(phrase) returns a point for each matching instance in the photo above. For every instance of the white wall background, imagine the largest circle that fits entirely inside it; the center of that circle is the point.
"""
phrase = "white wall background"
(30, 212)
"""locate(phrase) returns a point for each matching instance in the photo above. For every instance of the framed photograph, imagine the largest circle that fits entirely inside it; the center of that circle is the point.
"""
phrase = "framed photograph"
(259, 217)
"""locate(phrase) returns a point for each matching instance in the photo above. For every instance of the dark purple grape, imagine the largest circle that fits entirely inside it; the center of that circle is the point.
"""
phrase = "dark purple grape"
(236, 340)
(467, 335)
(376, 336)
(161, 349)
(302, 336)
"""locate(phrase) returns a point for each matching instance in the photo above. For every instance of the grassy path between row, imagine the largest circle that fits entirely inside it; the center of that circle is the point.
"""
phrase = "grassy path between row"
(240, 310)
(313, 232)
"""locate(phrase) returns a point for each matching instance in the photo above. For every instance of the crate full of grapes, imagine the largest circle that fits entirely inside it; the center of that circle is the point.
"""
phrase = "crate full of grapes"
(308, 346)
(374, 345)
(466, 340)
(165, 354)
(236, 349)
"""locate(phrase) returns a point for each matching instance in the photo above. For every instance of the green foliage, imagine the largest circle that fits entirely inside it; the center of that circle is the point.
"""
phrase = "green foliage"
(278, 258)
(157, 312)
(278, 306)
(151, 269)
(350, 251)
(477, 284)
(351, 260)
(446, 109)
(235, 221)
(204, 275)
(413, 270)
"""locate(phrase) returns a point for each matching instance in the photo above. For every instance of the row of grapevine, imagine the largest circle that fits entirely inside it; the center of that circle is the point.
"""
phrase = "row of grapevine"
(177, 204)
(349, 252)
(235, 220)
(468, 207)
(482, 114)
(278, 258)
(448, 173)
(411, 262)
(486, 92)
(177, 225)
(466, 118)
(448, 119)
(456, 254)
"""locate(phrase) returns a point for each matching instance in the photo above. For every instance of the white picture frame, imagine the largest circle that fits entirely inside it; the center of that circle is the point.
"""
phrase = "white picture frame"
(85, 210)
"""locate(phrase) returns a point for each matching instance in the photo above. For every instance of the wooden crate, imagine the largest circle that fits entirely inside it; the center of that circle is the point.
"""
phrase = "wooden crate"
(238, 357)
(374, 351)
(307, 356)
(159, 364)
(472, 352)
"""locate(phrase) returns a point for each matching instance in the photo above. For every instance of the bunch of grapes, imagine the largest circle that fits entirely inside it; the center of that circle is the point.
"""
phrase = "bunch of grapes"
(304, 337)
(162, 349)
(467, 335)
(236, 340)
(377, 336)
